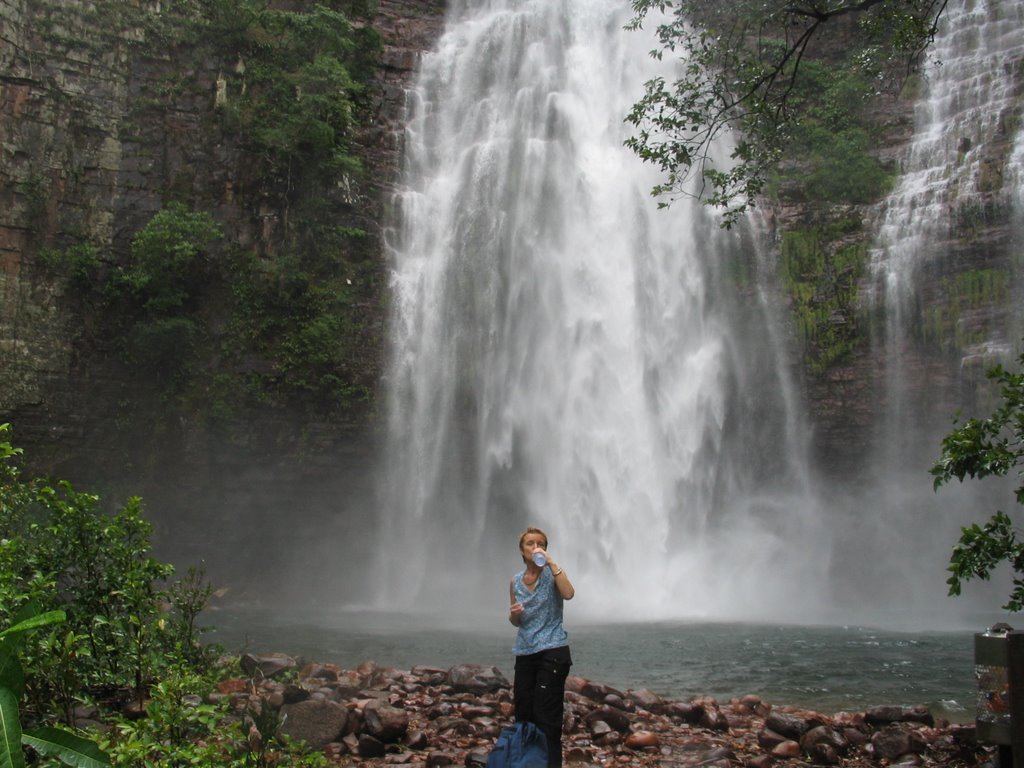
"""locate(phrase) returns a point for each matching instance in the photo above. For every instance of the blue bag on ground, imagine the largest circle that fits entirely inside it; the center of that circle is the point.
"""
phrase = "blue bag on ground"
(521, 746)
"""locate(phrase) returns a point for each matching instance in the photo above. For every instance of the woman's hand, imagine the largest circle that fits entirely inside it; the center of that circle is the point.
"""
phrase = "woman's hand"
(515, 613)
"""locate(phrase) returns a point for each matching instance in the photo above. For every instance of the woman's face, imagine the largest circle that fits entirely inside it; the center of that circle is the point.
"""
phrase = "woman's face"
(531, 543)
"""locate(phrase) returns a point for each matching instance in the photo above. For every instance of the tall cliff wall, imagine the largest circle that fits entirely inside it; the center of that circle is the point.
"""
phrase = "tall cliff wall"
(101, 123)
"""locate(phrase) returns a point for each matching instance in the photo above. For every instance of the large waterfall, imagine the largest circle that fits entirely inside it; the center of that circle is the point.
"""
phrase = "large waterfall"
(566, 355)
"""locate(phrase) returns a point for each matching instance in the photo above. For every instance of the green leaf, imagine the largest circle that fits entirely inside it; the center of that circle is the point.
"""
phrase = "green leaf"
(11, 674)
(71, 749)
(42, 620)
(10, 732)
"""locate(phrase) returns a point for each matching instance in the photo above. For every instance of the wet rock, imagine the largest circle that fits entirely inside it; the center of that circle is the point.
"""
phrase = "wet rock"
(383, 722)
(416, 739)
(317, 723)
(714, 719)
(439, 759)
(791, 726)
(881, 716)
(476, 678)
(616, 718)
(685, 711)
(648, 699)
(769, 739)
(267, 665)
(786, 749)
(893, 743)
(642, 740)
(371, 747)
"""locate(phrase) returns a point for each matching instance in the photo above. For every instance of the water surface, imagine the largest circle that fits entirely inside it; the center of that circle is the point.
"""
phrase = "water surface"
(824, 668)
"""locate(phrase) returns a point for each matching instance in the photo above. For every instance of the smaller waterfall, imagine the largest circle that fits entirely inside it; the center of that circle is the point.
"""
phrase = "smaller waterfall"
(971, 105)
(941, 325)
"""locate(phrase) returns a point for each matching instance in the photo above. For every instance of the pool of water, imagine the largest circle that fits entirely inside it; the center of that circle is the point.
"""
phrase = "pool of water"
(824, 668)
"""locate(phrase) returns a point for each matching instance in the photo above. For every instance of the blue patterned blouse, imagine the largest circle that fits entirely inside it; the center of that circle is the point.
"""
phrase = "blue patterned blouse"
(540, 627)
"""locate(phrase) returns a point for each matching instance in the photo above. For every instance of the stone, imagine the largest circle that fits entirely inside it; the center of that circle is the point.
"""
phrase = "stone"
(894, 742)
(318, 723)
(268, 665)
(648, 699)
(642, 740)
(616, 718)
(384, 722)
(881, 716)
(476, 678)
(786, 749)
(370, 747)
(790, 726)
(416, 739)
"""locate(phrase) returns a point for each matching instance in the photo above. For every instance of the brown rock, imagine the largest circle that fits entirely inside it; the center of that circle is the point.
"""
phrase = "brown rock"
(383, 722)
(786, 750)
(642, 739)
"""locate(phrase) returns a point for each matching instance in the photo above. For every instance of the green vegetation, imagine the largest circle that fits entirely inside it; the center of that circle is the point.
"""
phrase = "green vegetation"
(967, 292)
(821, 272)
(749, 67)
(286, 315)
(979, 448)
(90, 621)
(828, 156)
(46, 740)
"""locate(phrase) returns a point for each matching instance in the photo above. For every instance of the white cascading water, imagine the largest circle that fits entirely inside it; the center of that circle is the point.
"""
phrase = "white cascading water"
(971, 99)
(957, 167)
(566, 355)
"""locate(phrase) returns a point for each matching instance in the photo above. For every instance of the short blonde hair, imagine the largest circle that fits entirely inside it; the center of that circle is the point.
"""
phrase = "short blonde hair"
(530, 530)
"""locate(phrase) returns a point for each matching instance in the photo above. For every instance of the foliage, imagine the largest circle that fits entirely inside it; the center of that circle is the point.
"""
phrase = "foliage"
(822, 274)
(743, 71)
(180, 730)
(978, 448)
(828, 155)
(46, 740)
(60, 551)
(169, 265)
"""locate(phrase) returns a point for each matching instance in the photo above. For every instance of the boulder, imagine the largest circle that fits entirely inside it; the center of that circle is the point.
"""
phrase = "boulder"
(649, 700)
(385, 723)
(791, 726)
(894, 742)
(616, 718)
(267, 665)
(314, 721)
(476, 678)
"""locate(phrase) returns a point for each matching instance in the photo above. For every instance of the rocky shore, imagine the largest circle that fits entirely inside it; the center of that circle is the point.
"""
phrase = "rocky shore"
(426, 717)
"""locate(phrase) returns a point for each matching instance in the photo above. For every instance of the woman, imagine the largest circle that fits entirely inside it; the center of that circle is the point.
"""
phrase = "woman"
(542, 647)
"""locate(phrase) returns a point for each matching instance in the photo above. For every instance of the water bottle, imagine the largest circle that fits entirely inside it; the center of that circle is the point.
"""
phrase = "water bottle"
(539, 559)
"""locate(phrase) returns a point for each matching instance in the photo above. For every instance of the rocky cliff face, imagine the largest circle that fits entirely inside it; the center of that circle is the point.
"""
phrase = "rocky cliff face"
(100, 124)
(95, 139)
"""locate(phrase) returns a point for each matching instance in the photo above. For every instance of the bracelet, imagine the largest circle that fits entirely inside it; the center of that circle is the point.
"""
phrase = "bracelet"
(559, 572)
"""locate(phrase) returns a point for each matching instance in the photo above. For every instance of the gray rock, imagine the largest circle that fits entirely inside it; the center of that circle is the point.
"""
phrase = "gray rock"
(316, 722)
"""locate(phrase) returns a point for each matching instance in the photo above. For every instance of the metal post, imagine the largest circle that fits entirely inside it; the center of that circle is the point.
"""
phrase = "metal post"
(1015, 676)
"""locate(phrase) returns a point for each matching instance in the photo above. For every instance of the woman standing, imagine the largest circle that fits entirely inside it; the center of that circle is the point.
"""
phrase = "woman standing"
(542, 647)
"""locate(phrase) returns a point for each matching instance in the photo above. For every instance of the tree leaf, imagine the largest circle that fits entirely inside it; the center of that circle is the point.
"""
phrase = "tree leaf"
(71, 749)
(12, 676)
(42, 620)
(10, 732)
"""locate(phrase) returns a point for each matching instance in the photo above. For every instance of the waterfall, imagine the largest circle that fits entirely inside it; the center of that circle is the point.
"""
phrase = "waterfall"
(938, 320)
(951, 172)
(564, 354)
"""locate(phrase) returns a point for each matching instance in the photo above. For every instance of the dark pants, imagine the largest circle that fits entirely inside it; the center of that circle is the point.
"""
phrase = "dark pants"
(539, 695)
